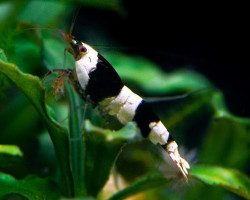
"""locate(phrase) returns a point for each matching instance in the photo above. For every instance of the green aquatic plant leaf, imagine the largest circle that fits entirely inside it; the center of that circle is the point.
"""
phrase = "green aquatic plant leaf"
(141, 185)
(11, 150)
(31, 187)
(33, 89)
(231, 134)
(102, 148)
(230, 179)
(152, 80)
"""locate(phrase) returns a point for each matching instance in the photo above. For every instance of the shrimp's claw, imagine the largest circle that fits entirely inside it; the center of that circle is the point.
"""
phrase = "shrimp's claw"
(182, 164)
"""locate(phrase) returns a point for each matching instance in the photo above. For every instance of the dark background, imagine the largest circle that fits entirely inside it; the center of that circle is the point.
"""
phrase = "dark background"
(209, 38)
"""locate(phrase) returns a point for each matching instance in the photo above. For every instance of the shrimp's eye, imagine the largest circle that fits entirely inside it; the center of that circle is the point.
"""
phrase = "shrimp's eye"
(73, 43)
(83, 49)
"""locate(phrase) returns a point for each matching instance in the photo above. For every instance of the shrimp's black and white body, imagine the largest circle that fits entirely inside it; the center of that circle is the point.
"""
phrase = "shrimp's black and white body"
(96, 80)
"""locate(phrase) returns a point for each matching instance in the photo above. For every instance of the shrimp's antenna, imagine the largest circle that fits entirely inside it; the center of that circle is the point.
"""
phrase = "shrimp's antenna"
(41, 28)
(73, 21)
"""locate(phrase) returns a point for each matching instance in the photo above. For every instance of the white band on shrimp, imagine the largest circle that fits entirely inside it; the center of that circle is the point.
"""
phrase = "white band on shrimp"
(159, 133)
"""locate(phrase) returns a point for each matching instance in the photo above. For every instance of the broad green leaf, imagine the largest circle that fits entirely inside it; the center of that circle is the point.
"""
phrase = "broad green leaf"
(12, 161)
(34, 90)
(102, 148)
(152, 80)
(10, 149)
(146, 183)
(221, 110)
(127, 132)
(231, 135)
(230, 179)
(45, 13)
(31, 187)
